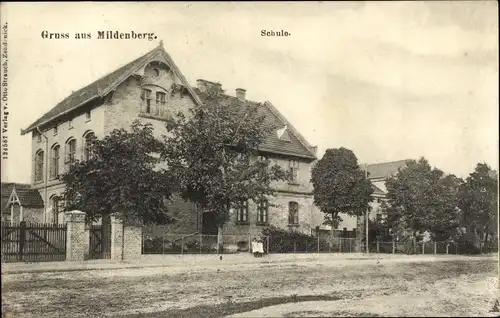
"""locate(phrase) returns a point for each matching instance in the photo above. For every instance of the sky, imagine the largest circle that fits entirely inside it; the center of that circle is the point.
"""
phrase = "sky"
(388, 80)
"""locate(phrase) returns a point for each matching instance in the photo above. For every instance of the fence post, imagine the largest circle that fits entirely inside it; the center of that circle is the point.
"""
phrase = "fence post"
(201, 241)
(22, 239)
(163, 244)
(378, 247)
(423, 247)
(250, 243)
(182, 244)
(435, 248)
(393, 247)
(267, 251)
(317, 242)
(480, 247)
(447, 248)
(294, 246)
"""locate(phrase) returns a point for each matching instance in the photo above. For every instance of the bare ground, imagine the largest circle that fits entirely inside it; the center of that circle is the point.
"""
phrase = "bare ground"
(304, 288)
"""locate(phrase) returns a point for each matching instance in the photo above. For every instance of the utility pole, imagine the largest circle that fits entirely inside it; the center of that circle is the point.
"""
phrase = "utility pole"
(367, 215)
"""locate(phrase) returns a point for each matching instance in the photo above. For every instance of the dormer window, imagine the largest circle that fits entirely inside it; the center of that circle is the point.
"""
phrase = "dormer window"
(283, 134)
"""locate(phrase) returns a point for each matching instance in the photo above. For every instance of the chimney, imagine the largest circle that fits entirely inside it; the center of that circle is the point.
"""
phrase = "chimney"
(240, 93)
(204, 85)
(201, 85)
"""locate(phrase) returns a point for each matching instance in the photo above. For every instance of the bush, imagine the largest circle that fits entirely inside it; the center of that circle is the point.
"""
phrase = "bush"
(284, 241)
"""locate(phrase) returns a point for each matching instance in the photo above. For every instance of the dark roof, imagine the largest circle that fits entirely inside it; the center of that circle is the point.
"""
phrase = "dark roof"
(297, 146)
(294, 147)
(91, 91)
(384, 169)
(27, 196)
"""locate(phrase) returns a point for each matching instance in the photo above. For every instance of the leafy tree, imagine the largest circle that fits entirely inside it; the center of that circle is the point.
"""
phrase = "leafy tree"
(478, 202)
(120, 176)
(340, 186)
(209, 155)
(421, 198)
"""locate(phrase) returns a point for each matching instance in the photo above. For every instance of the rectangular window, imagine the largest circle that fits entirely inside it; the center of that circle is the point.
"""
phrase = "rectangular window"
(160, 97)
(293, 213)
(264, 171)
(38, 138)
(55, 130)
(55, 210)
(242, 212)
(70, 123)
(293, 168)
(146, 98)
(262, 211)
(88, 115)
(54, 166)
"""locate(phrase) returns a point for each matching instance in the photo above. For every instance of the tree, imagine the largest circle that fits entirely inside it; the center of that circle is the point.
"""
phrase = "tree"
(209, 155)
(120, 176)
(421, 198)
(340, 186)
(478, 202)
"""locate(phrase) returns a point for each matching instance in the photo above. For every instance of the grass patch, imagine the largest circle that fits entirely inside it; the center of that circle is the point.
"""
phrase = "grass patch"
(230, 308)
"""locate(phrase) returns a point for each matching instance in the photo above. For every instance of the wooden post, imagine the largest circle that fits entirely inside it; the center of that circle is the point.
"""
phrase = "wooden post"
(267, 251)
(294, 246)
(163, 244)
(318, 243)
(393, 247)
(447, 248)
(201, 241)
(435, 248)
(182, 245)
(378, 247)
(250, 243)
(423, 247)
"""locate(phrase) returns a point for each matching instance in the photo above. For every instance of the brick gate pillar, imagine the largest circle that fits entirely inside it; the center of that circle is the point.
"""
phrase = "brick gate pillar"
(126, 239)
(116, 237)
(75, 240)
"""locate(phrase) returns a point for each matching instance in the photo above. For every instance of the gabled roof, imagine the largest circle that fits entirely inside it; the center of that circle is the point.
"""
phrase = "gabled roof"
(383, 169)
(103, 86)
(294, 147)
(28, 197)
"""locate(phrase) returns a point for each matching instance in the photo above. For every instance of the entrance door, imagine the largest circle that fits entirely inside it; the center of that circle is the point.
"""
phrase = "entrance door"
(208, 225)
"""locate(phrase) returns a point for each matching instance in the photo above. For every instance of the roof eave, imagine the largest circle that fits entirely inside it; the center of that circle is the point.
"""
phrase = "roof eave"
(32, 126)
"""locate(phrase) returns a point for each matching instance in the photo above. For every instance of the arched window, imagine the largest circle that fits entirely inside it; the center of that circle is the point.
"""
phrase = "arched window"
(54, 161)
(293, 213)
(70, 152)
(39, 158)
(55, 208)
(87, 137)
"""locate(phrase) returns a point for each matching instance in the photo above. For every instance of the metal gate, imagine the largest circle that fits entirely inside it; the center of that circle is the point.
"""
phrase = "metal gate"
(100, 241)
(33, 242)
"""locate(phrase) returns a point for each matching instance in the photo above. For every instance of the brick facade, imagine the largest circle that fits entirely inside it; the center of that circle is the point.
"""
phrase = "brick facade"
(125, 103)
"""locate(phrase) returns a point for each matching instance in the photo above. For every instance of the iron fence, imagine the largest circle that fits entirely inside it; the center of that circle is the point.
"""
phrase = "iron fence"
(457, 248)
(207, 244)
